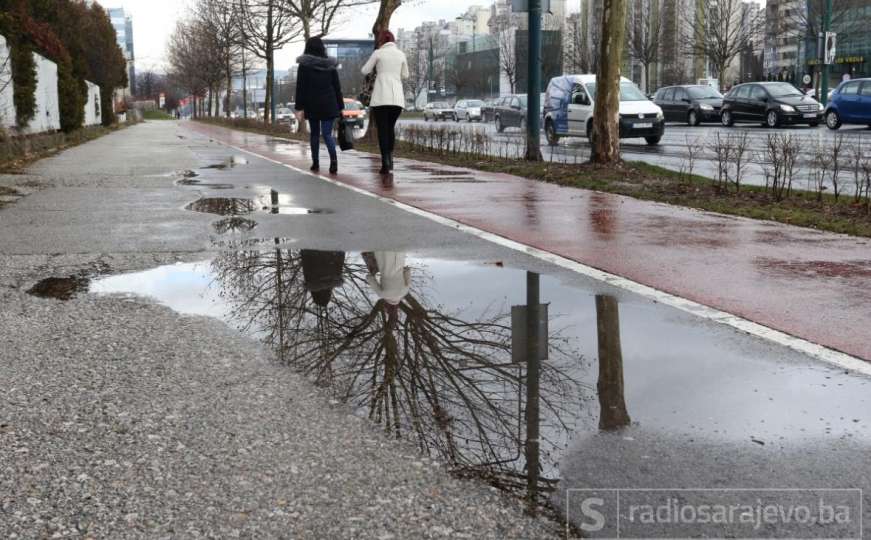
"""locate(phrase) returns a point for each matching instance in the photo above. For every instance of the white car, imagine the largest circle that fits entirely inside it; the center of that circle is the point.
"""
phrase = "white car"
(468, 110)
(568, 110)
(286, 116)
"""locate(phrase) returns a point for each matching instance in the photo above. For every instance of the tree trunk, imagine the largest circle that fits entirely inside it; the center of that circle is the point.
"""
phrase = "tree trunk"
(606, 113)
(270, 85)
(382, 22)
(244, 87)
(229, 86)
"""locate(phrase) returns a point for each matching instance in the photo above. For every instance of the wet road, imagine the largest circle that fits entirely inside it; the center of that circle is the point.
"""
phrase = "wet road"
(679, 141)
(753, 269)
(407, 323)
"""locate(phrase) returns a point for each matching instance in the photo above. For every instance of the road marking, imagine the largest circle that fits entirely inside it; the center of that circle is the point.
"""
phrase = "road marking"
(819, 352)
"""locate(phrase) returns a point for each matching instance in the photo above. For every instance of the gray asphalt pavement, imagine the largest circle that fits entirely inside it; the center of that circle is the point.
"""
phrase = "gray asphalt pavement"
(674, 149)
(152, 403)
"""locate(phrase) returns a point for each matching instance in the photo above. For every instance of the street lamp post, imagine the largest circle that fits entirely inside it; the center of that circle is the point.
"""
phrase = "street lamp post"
(827, 27)
(533, 94)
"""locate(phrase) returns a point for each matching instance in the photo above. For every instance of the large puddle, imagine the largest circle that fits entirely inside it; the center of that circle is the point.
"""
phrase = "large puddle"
(593, 392)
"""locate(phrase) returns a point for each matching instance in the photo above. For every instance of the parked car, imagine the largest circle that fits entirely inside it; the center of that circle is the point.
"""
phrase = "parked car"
(510, 111)
(468, 110)
(488, 110)
(437, 110)
(354, 113)
(691, 103)
(568, 110)
(771, 103)
(850, 104)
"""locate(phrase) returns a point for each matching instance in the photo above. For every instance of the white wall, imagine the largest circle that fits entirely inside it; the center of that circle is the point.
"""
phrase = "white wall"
(47, 117)
(7, 106)
(93, 114)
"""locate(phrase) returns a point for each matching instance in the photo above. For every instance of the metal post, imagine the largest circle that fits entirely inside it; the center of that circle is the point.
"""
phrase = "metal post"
(827, 27)
(533, 372)
(533, 93)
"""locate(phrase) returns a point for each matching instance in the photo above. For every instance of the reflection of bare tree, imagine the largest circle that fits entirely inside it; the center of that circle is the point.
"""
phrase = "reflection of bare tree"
(444, 380)
(611, 389)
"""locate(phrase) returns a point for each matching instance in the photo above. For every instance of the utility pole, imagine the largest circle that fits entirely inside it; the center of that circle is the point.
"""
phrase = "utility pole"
(533, 93)
(827, 27)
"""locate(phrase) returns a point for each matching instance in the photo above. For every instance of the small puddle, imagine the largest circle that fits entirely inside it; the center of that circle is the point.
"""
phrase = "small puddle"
(222, 206)
(200, 183)
(229, 163)
(60, 288)
(623, 388)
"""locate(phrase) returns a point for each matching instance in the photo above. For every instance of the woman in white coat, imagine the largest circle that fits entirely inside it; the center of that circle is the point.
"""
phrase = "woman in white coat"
(388, 96)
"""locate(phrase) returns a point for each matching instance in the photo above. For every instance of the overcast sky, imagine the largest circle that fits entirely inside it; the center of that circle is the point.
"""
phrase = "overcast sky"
(154, 20)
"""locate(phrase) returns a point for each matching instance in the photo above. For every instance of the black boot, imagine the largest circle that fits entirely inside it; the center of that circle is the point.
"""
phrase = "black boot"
(334, 166)
(315, 167)
(385, 165)
(390, 161)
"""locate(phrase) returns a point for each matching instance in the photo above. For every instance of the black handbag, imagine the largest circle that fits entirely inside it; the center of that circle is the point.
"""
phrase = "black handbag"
(346, 136)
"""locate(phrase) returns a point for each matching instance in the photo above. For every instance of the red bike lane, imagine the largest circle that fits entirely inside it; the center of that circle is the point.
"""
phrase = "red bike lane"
(810, 284)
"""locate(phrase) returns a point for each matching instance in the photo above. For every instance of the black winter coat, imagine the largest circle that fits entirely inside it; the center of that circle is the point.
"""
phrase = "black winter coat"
(318, 91)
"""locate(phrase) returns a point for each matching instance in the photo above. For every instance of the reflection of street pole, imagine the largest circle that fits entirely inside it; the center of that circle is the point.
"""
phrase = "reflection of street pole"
(827, 27)
(533, 373)
(612, 401)
(533, 94)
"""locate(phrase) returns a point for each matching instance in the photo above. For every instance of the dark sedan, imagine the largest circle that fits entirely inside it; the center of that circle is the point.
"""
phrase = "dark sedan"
(510, 111)
(692, 104)
(771, 103)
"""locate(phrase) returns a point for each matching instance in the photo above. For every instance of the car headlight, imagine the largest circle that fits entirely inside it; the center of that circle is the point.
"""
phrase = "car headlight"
(821, 107)
(705, 107)
(787, 108)
(659, 115)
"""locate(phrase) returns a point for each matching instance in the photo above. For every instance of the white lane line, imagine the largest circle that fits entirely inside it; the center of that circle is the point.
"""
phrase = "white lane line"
(819, 352)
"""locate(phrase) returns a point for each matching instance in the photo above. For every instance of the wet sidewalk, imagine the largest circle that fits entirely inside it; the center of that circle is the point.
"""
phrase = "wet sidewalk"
(809, 284)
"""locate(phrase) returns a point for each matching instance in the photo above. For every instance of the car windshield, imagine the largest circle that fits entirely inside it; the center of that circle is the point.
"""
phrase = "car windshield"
(628, 92)
(522, 100)
(782, 90)
(474, 103)
(703, 92)
(283, 111)
(352, 106)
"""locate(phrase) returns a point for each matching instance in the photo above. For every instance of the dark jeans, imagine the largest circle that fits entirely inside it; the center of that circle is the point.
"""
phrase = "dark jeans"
(386, 117)
(316, 127)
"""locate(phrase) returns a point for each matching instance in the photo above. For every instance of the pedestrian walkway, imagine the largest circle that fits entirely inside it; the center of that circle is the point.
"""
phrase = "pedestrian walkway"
(809, 284)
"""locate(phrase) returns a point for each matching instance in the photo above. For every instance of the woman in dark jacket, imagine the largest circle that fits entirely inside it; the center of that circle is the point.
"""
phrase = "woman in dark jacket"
(319, 96)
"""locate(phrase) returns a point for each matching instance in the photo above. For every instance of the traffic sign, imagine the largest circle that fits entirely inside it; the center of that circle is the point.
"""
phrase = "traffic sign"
(806, 79)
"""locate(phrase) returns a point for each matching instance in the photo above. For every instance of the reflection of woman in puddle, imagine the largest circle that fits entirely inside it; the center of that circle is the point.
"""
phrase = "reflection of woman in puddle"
(322, 272)
(388, 276)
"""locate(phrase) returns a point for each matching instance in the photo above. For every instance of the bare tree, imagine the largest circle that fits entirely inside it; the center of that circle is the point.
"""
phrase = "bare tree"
(506, 39)
(268, 26)
(318, 16)
(606, 111)
(644, 32)
(721, 31)
(419, 72)
(576, 53)
(223, 18)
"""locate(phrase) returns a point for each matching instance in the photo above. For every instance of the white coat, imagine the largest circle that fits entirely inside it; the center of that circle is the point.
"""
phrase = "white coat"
(390, 68)
(395, 280)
